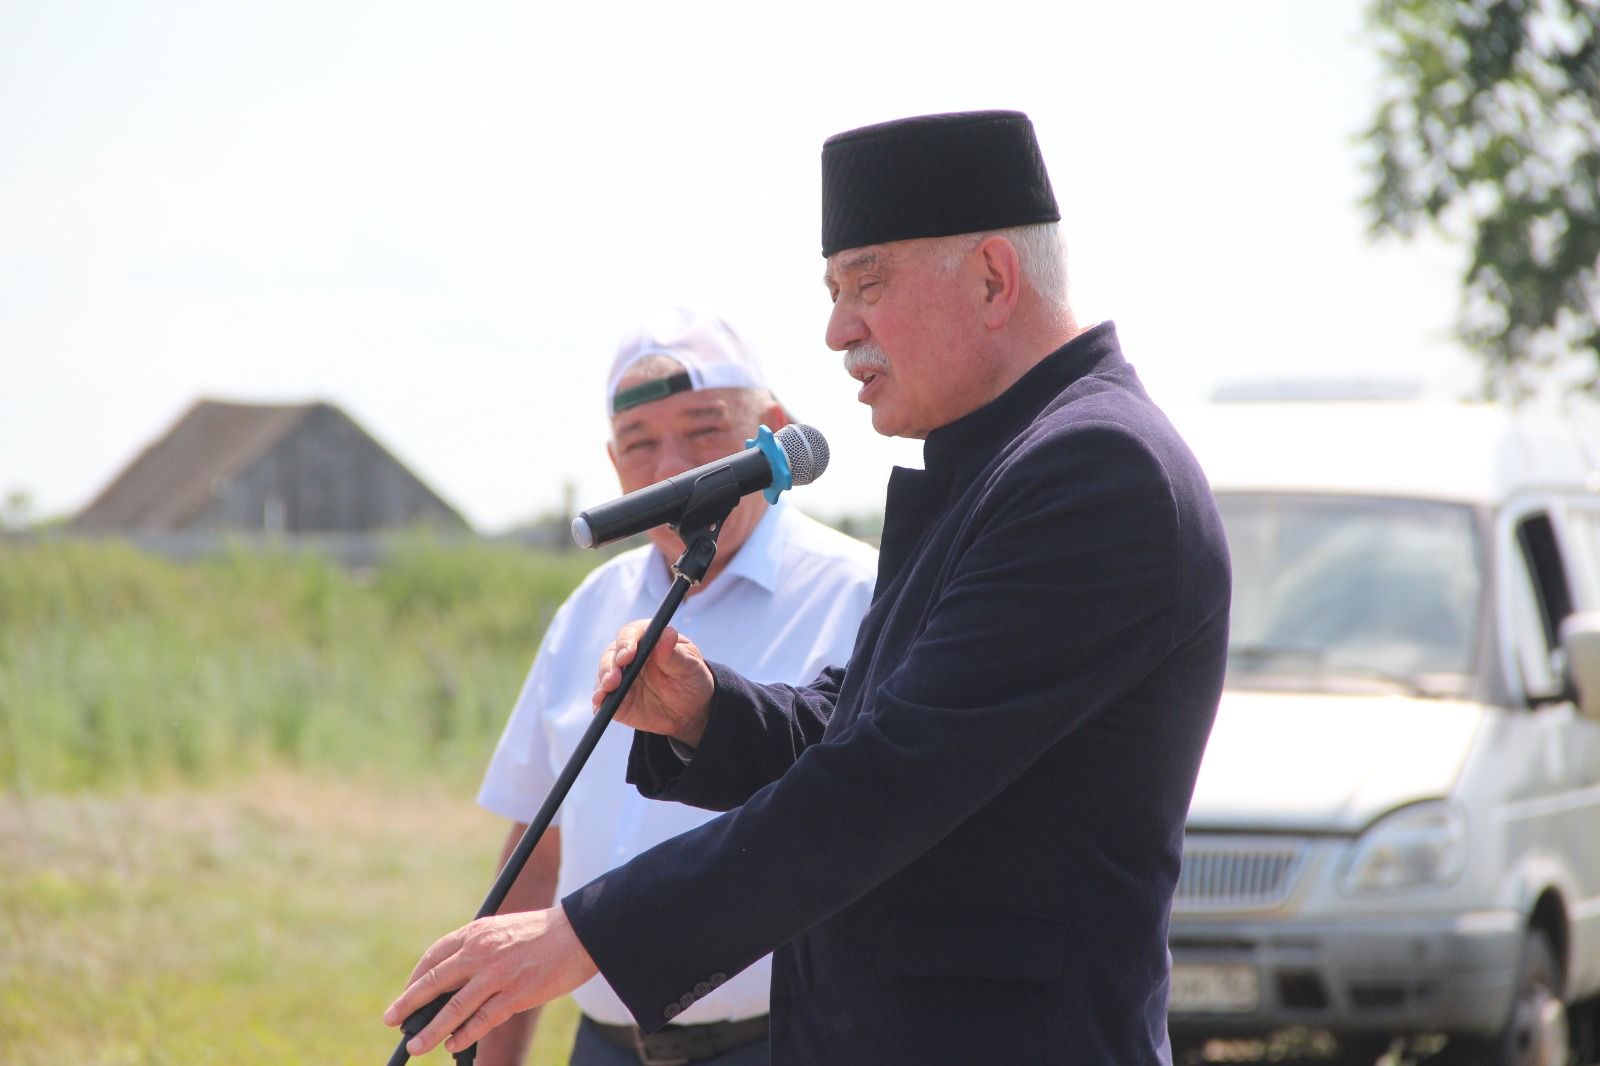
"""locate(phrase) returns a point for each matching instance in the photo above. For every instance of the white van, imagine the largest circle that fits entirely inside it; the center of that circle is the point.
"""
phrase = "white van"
(1396, 829)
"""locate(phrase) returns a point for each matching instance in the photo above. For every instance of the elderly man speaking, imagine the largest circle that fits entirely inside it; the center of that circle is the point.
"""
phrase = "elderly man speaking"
(963, 844)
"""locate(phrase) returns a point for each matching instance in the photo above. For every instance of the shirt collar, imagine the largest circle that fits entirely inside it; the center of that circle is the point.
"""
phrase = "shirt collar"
(968, 443)
(757, 559)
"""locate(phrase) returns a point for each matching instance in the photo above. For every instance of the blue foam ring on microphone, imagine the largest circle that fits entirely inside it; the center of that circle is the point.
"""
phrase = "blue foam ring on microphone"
(782, 478)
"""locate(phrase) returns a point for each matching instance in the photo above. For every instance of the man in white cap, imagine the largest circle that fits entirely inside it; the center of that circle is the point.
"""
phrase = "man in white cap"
(782, 600)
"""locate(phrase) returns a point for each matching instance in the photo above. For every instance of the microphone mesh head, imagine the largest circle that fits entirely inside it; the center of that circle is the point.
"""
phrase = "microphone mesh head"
(806, 451)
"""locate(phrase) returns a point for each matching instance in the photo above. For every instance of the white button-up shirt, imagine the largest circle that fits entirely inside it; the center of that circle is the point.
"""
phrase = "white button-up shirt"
(786, 605)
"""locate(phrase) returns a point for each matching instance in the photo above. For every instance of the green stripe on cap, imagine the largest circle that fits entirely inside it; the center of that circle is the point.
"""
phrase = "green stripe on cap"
(659, 389)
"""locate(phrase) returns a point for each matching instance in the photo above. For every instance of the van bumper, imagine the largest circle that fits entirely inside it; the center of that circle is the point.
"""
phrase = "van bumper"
(1449, 974)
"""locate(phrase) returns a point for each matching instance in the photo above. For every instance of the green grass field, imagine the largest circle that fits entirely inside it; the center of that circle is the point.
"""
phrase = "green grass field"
(120, 668)
(236, 795)
(266, 920)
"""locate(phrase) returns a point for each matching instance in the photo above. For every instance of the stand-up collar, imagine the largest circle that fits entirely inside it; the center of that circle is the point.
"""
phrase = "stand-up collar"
(970, 441)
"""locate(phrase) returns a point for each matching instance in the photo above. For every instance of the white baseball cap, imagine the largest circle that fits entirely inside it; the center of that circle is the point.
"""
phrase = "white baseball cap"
(712, 355)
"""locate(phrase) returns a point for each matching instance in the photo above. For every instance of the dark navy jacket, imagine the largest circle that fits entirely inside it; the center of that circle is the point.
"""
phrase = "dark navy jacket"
(964, 845)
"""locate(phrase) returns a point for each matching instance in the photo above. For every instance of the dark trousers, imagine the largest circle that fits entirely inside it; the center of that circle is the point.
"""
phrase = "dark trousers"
(591, 1049)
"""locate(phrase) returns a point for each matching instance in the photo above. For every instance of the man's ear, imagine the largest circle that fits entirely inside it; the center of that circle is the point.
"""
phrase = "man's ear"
(1002, 280)
(611, 453)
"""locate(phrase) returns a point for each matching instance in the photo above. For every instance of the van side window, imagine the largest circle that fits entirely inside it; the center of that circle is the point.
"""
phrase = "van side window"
(1540, 600)
(1583, 528)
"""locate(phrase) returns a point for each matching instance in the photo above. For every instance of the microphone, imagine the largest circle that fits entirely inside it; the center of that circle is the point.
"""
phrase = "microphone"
(795, 455)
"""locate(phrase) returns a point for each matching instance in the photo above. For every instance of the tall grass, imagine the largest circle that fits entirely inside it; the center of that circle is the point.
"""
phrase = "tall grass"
(118, 667)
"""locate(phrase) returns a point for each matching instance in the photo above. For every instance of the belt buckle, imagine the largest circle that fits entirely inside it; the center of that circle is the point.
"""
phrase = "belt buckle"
(647, 1057)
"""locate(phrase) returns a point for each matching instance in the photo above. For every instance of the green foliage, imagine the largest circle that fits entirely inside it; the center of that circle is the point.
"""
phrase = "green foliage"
(1490, 126)
(119, 667)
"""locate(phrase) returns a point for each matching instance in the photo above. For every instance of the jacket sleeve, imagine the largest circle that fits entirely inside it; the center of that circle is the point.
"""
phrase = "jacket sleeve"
(1059, 601)
(749, 742)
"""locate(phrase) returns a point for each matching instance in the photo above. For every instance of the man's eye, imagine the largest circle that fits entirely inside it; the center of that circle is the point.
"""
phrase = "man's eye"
(637, 447)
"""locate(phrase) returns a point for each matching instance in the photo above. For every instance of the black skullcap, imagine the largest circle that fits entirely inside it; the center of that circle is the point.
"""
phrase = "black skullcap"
(932, 176)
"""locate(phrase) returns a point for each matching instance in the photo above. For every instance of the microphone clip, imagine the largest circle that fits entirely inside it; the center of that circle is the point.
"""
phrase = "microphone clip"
(766, 442)
(701, 522)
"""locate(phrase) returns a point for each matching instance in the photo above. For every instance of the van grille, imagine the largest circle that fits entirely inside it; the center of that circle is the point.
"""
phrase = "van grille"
(1220, 874)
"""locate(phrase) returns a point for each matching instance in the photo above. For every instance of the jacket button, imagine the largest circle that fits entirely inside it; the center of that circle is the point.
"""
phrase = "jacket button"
(701, 989)
(687, 1000)
(718, 979)
(671, 1011)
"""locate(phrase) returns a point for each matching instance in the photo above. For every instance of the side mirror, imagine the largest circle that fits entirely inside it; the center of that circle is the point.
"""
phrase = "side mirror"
(1580, 639)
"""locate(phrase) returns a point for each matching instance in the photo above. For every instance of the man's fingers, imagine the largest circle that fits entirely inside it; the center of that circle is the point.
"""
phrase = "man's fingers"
(451, 1017)
(610, 675)
(493, 1011)
(664, 651)
(416, 995)
(440, 950)
(422, 990)
(494, 975)
(615, 658)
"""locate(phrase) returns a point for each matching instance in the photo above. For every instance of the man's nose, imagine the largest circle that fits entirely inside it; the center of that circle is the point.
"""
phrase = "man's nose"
(845, 328)
(674, 457)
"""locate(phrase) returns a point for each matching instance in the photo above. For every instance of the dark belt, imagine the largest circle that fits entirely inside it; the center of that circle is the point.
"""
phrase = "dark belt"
(678, 1045)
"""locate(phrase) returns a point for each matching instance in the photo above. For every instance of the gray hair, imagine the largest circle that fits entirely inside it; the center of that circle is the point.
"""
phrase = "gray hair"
(1040, 252)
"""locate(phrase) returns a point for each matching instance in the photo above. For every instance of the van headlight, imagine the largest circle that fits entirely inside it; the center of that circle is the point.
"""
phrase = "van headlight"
(1415, 847)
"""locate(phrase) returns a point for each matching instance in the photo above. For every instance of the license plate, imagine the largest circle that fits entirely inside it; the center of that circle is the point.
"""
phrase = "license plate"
(1197, 988)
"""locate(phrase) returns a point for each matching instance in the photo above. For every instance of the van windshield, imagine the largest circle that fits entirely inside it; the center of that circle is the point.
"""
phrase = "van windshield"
(1344, 592)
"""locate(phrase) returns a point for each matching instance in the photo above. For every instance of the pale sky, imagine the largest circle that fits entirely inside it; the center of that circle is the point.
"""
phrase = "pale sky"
(442, 217)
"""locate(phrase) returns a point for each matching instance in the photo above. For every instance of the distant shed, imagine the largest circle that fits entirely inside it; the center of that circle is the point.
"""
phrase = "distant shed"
(293, 468)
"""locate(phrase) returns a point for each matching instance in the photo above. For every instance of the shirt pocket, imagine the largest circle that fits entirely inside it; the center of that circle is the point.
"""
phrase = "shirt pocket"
(1001, 945)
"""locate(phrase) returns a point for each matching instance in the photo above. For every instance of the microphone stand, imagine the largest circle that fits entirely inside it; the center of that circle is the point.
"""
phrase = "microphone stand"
(701, 523)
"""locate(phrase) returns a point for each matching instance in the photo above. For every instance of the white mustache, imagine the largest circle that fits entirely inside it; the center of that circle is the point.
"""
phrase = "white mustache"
(868, 357)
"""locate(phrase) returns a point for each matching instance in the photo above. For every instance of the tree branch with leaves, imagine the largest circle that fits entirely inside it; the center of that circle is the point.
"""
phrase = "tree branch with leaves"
(1488, 128)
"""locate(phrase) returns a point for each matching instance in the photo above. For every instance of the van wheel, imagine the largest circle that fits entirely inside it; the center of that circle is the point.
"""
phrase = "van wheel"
(1537, 1033)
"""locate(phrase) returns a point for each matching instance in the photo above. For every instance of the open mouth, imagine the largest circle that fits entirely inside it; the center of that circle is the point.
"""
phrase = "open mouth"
(868, 379)
(866, 364)
(867, 357)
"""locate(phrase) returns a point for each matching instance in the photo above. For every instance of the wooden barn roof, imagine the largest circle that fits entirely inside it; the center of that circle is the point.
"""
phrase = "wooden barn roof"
(168, 483)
